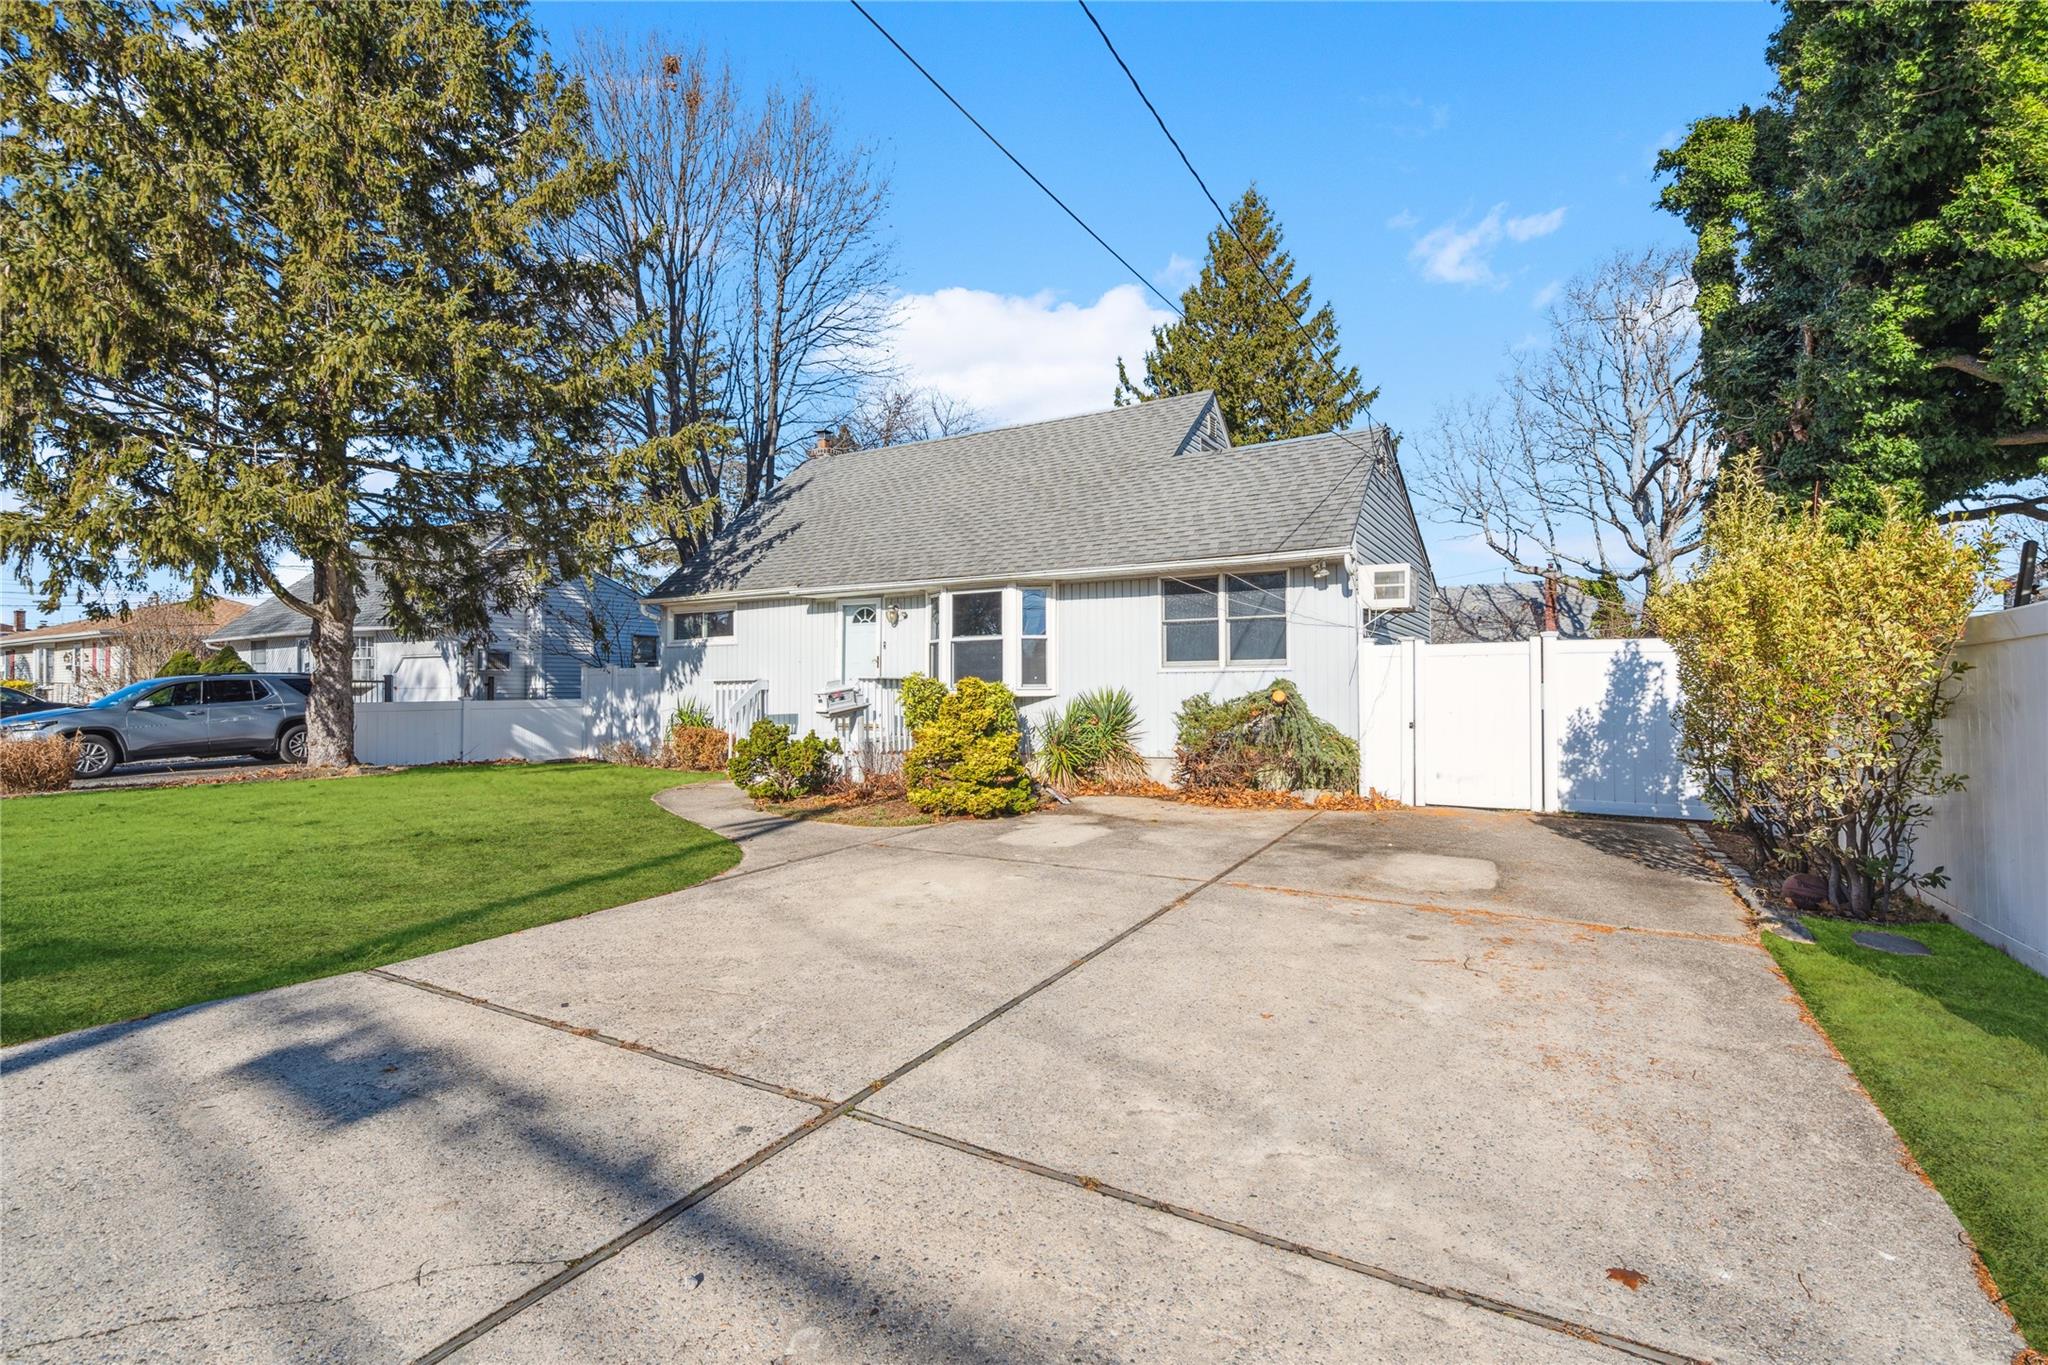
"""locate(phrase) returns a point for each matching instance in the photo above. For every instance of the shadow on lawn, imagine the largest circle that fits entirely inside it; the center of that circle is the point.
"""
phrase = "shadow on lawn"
(433, 935)
(1965, 976)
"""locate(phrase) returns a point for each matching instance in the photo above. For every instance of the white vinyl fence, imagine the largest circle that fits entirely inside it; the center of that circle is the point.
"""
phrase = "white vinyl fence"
(1591, 726)
(1542, 725)
(404, 733)
(1992, 837)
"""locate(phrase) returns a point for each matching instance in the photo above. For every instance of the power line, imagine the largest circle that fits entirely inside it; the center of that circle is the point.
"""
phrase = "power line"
(998, 143)
(1299, 321)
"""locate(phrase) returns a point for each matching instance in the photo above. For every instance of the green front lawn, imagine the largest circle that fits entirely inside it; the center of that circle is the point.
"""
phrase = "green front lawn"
(123, 903)
(1954, 1049)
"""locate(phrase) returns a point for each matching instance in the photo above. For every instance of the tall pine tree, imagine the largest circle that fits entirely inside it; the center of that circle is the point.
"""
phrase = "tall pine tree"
(1266, 353)
(277, 285)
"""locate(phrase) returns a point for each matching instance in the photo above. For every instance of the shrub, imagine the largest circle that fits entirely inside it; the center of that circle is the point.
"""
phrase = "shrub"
(225, 660)
(18, 684)
(1092, 740)
(37, 765)
(768, 763)
(1814, 671)
(920, 698)
(182, 663)
(1267, 738)
(963, 759)
(691, 716)
(699, 748)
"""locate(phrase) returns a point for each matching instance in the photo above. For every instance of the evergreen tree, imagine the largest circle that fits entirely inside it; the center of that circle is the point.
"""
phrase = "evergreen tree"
(277, 287)
(1267, 354)
(1873, 253)
(225, 660)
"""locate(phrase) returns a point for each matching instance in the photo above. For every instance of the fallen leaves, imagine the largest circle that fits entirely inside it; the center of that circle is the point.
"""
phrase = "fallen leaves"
(1622, 1275)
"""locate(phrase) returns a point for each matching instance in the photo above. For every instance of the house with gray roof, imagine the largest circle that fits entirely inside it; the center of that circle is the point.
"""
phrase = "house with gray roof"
(1133, 548)
(535, 650)
(1494, 613)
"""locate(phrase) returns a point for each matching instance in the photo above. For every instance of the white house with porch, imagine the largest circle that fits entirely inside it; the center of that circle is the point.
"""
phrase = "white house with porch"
(1132, 548)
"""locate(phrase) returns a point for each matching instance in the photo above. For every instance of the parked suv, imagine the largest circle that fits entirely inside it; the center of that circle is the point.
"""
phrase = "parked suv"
(261, 714)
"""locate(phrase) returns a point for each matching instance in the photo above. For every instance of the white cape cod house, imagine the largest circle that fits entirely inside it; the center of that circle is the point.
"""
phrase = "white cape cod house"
(1133, 548)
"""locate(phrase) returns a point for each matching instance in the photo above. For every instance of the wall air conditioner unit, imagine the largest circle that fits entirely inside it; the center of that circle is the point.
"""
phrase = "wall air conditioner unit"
(1388, 587)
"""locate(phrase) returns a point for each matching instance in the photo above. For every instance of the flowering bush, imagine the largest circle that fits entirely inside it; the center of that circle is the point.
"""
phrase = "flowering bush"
(1814, 672)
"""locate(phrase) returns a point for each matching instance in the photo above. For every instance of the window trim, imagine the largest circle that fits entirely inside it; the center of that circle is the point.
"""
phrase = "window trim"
(675, 617)
(1223, 662)
(1002, 637)
(1022, 688)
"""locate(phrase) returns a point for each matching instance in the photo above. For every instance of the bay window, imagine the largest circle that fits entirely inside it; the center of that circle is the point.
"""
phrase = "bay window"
(1034, 646)
(1224, 620)
(978, 635)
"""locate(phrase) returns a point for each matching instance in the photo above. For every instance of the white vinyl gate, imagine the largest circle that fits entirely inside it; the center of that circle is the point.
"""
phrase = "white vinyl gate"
(1543, 724)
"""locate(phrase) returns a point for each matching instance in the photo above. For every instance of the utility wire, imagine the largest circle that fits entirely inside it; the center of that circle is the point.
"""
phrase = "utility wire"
(1365, 453)
(1299, 321)
(998, 143)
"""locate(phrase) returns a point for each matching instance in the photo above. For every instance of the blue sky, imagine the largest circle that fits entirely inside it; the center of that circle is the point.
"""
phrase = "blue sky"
(1435, 167)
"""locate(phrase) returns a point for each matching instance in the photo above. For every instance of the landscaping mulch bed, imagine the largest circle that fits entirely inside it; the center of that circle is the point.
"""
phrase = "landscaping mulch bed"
(1237, 798)
(1737, 848)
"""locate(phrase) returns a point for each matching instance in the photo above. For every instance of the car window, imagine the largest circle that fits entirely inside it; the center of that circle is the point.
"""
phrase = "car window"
(173, 694)
(302, 686)
(227, 691)
(123, 696)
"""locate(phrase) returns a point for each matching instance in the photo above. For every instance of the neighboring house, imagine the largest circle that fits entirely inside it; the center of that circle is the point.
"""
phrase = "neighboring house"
(1483, 613)
(76, 661)
(1134, 548)
(539, 650)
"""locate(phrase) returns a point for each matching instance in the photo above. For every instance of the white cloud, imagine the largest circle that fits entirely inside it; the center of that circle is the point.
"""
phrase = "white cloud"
(1455, 254)
(1178, 273)
(1402, 221)
(1020, 359)
(1536, 225)
(1545, 296)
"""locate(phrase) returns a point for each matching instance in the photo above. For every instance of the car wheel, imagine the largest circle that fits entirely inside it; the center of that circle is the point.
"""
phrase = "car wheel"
(292, 748)
(95, 756)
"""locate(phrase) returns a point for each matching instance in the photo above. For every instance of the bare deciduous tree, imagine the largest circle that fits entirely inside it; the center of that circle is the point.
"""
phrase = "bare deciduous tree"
(752, 243)
(894, 415)
(1598, 455)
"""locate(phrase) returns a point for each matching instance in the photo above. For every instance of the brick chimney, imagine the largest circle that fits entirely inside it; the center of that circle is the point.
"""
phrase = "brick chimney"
(20, 620)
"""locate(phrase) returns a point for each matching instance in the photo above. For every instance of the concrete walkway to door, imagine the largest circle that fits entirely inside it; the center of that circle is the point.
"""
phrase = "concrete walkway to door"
(1129, 1080)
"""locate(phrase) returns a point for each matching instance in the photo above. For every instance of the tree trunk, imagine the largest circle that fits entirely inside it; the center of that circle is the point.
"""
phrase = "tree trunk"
(331, 710)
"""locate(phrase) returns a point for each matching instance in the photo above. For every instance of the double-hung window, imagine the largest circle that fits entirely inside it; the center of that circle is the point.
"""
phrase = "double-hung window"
(1034, 644)
(978, 635)
(692, 626)
(1226, 619)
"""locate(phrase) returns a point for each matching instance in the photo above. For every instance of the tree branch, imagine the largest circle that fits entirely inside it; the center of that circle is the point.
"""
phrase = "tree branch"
(1969, 365)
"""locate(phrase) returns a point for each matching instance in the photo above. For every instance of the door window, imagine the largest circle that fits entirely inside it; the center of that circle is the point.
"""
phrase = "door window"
(174, 694)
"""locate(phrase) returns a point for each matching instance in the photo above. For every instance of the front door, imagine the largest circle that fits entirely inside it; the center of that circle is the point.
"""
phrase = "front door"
(860, 640)
(168, 721)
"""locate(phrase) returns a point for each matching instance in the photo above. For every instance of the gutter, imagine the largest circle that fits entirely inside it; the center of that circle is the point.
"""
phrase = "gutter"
(1342, 553)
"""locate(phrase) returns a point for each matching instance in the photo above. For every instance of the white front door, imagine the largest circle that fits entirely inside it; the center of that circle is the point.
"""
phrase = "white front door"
(860, 640)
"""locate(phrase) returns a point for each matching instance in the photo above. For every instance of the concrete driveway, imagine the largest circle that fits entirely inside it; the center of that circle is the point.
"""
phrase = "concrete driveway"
(1128, 1081)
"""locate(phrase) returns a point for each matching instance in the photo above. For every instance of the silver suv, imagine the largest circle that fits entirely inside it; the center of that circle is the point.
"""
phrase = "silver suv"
(261, 714)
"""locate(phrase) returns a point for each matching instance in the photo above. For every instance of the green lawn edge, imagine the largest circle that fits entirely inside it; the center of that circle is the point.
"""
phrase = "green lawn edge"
(1953, 1048)
(120, 904)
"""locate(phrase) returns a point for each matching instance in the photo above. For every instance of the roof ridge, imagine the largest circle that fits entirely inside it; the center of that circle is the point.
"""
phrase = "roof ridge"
(901, 446)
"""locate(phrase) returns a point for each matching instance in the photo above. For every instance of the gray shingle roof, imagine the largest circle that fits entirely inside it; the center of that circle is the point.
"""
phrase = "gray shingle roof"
(1138, 485)
(272, 619)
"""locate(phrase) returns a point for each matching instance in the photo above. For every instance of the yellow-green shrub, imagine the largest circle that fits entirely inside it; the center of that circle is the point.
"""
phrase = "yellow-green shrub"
(1814, 670)
(963, 759)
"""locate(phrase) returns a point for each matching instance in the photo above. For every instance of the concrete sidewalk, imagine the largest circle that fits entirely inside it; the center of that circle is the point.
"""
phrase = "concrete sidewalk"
(1126, 1081)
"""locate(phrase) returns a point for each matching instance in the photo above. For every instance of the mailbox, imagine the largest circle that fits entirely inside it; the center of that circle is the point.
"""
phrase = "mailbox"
(839, 699)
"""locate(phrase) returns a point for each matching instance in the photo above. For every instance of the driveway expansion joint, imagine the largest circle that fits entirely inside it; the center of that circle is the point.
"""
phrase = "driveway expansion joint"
(1627, 1346)
(582, 1265)
(722, 1073)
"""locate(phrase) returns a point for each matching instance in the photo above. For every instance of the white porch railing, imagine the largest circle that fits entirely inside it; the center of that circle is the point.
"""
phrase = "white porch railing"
(735, 706)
